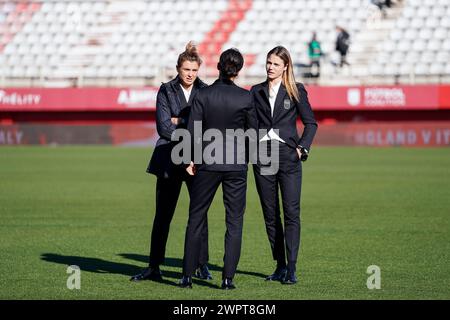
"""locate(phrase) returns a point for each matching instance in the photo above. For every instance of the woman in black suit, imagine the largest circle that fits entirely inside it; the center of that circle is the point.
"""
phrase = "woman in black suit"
(172, 111)
(279, 102)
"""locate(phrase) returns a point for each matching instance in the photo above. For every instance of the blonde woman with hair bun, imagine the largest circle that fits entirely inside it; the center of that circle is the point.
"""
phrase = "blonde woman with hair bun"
(173, 104)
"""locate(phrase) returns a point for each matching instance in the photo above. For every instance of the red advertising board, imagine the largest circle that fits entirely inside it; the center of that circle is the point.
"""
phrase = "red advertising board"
(77, 99)
(375, 98)
(421, 97)
(374, 134)
(386, 134)
(444, 97)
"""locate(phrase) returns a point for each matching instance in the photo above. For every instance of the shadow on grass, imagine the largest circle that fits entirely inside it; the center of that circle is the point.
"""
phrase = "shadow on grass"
(178, 263)
(97, 265)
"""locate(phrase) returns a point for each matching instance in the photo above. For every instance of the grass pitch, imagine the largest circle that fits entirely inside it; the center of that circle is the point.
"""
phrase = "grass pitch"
(94, 207)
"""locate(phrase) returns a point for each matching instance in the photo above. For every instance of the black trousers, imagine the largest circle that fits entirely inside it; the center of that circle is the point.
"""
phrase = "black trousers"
(167, 193)
(284, 243)
(204, 187)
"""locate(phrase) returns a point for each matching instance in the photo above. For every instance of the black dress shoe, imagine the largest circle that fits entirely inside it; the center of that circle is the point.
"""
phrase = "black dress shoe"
(148, 274)
(185, 282)
(203, 273)
(290, 278)
(227, 284)
(278, 275)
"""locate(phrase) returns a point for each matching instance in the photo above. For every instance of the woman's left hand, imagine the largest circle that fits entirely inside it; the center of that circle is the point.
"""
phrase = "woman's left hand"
(299, 153)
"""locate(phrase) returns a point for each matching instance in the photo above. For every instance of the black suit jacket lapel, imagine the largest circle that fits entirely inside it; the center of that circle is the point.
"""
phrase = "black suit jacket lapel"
(193, 93)
(264, 95)
(181, 97)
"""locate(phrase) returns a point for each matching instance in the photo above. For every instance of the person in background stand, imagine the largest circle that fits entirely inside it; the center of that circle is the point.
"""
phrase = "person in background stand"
(172, 111)
(315, 53)
(342, 45)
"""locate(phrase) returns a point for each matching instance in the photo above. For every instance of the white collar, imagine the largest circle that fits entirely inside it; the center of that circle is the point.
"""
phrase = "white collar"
(275, 89)
(187, 93)
(186, 90)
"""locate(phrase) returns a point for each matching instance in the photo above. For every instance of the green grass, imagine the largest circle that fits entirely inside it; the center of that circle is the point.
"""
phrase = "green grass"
(93, 207)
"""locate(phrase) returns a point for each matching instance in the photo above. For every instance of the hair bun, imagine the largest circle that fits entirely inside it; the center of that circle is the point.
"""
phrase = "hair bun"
(191, 48)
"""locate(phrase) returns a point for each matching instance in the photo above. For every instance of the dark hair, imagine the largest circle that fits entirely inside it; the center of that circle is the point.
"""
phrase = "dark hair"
(190, 54)
(230, 63)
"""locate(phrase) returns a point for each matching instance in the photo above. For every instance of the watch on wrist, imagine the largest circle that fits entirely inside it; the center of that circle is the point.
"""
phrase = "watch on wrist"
(304, 152)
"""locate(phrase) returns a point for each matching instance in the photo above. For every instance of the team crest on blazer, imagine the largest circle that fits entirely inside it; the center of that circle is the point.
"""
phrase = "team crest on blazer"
(287, 103)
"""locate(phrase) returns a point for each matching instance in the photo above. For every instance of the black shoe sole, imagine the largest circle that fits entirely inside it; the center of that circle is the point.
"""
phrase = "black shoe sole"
(278, 280)
(275, 279)
(155, 278)
(203, 278)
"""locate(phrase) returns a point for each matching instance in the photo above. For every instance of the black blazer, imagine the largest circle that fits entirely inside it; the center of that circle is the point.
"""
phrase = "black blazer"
(285, 114)
(221, 106)
(170, 102)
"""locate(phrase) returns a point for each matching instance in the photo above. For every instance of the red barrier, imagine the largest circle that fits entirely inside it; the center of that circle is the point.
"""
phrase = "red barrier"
(426, 97)
(444, 97)
(74, 99)
(385, 134)
(375, 98)
(377, 134)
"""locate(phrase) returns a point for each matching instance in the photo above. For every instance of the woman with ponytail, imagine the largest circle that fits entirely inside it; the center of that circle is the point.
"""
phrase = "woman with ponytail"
(173, 104)
(279, 102)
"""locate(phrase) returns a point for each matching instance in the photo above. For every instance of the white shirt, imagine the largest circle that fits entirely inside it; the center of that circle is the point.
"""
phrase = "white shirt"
(272, 135)
(187, 93)
(273, 95)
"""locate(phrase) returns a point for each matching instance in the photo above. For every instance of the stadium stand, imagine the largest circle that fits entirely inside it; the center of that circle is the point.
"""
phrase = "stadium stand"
(113, 43)
(79, 71)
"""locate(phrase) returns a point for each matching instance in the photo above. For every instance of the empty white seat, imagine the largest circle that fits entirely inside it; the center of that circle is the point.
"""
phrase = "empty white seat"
(396, 35)
(447, 69)
(434, 45)
(406, 69)
(410, 34)
(445, 22)
(412, 57)
(432, 22)
(440, 33)
(418, 23)
(397, 57)
(360, 71)
(423, 12)
(425, 34)
(436, 11)
(446, 45)
(410, 12)
(419, 45)
(421, 69)
(428, 57)
(429, 3)
(443, 56)
(391, 69)
(375, 69)
(403, 23)
(404, 46)
(436, 69)
(415, 3)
